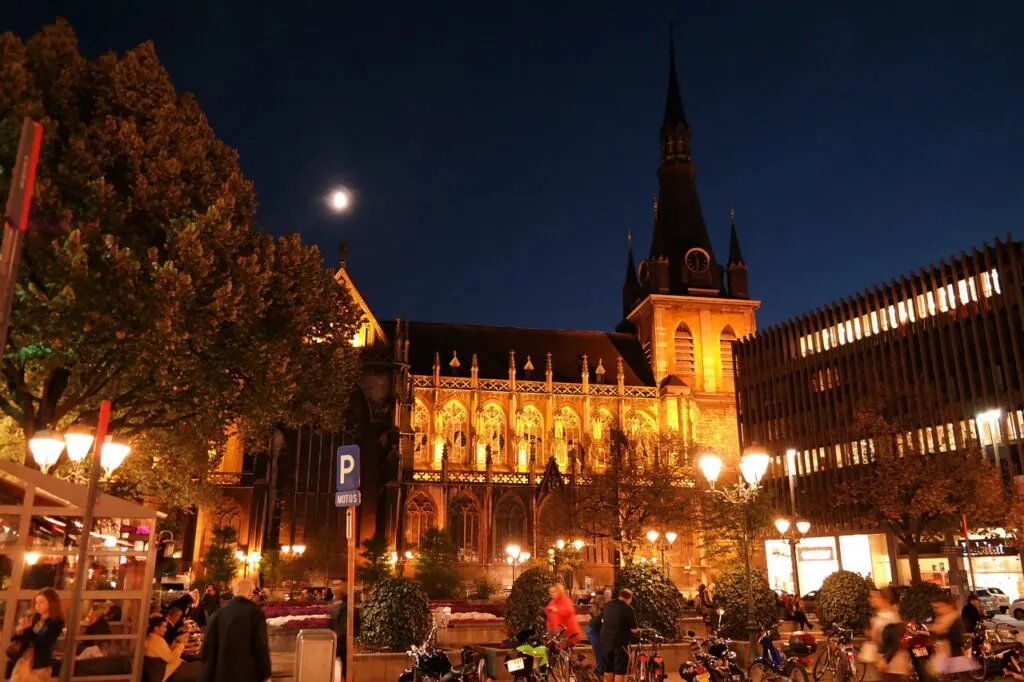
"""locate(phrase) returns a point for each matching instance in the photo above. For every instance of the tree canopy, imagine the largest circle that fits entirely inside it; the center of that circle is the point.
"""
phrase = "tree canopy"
(145, 280)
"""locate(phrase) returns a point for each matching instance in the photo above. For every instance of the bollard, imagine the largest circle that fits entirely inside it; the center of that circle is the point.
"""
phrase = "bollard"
(315, 652)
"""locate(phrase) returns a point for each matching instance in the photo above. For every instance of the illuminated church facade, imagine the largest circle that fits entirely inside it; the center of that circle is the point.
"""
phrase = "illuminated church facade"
(465, 428)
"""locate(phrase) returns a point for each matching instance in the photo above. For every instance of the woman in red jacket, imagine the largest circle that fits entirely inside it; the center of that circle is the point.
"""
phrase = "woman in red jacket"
(561, 612)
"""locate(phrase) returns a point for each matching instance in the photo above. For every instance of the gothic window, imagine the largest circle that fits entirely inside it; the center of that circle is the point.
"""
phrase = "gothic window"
(421, 428)
(491, 428)
(420, 516)
(453, 430)
(641, 432)
(568, 438)
(530, 429)
(601, 423)
(686, 357)
(510, 523)
(464, 524)
(725, 348)
(227, 515)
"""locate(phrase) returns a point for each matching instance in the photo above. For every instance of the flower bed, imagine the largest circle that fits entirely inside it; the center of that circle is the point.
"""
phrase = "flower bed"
(458, 606)
(300, 622)
(272, 611)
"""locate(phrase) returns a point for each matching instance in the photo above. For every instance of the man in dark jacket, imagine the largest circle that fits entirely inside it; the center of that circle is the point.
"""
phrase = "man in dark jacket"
(235, 647)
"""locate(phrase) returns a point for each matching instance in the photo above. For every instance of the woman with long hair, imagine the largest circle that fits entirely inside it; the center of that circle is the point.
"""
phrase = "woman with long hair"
(157, 647)
(37, 633)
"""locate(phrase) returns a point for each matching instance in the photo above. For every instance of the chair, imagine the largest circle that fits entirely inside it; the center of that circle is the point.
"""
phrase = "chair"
(153, 669)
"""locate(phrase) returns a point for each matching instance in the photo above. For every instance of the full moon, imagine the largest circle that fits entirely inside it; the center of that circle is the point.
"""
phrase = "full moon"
(339, 200)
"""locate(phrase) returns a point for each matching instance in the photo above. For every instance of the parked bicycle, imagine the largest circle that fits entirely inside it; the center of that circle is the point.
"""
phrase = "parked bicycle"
(839, 660)
(645, 663)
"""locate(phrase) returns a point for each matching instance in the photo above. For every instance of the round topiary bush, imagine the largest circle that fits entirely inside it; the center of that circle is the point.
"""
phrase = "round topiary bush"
(730, 593)
(395, 615)
(916, 601)
(657, 602)
(528, 598)
(843, 599)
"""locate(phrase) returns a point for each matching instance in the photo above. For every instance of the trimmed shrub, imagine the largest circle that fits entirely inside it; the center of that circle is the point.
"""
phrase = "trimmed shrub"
(483, 587)
(730, 593)
(843, 599)
(916, 601)
(657, 602)
(529, 596)
(394, 616)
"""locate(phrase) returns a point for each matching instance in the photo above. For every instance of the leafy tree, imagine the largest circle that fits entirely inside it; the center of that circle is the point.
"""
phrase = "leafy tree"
(916, 601)
(526, 601)
(435, 564)
(914, 492)
(220, 561)
(722, 525)
(376, 558)
(843, 599)
(273, 568)
(731, 596)
(657, 602)
(395, 616)
(647, 484)
(144, 280)
(321, 554)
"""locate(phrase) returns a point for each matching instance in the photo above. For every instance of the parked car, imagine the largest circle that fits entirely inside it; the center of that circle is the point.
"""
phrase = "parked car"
(994, 600)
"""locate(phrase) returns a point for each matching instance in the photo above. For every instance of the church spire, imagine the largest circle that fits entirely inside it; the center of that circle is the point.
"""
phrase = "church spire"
(675, 115)
(736, 272)
(630, 284)
(735, 255)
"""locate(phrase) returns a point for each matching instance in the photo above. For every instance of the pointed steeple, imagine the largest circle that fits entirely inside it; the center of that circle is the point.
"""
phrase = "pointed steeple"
(675, 115)
(735, 255)
(736, 275)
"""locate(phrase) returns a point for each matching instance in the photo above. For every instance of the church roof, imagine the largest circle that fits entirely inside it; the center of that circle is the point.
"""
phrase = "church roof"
(492, 345)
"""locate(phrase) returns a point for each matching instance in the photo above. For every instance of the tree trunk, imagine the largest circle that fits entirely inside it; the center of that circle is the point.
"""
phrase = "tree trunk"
(915, 565)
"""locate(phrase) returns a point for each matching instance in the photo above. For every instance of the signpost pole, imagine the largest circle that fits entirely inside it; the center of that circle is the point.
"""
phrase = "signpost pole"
(348, 495)
(19, 200)
(350, 629)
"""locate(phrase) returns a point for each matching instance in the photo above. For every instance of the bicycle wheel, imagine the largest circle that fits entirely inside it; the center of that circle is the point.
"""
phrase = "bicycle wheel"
(759, 672)
(824, 664)
(798, 674)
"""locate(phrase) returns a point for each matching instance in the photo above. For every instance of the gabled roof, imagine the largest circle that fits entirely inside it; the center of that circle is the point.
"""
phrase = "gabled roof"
(342, 277)
(492, 345)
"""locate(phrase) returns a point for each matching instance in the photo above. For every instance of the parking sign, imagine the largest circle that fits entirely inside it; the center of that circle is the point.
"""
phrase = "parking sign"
(347, 484)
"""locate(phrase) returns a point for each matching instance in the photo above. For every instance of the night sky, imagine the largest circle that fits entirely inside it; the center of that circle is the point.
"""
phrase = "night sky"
(501, 150)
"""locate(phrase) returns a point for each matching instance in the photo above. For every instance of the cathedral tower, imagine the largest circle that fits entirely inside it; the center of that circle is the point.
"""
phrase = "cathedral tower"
(685, 307)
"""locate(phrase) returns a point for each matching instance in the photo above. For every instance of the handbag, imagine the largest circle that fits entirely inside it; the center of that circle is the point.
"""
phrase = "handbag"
(15, 650)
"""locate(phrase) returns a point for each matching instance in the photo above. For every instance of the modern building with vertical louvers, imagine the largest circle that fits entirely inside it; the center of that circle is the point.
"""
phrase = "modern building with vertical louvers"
(952, 336)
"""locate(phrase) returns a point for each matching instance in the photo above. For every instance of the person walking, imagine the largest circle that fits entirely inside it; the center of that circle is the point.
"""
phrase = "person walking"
(618, 625)
(800, 614)
(884, 650)
(971, 613)
(561, 613)
(209, 604)
(36, 635)
(593, 629)
(949, 659)
(235, 648)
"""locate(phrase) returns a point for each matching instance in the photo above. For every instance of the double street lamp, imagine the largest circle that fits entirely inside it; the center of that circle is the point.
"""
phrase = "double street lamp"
(666, 543)
(516, 557)
(753, 466)
(793, 532)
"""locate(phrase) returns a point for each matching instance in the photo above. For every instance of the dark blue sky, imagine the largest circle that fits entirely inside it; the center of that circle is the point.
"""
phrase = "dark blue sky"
(501, 150)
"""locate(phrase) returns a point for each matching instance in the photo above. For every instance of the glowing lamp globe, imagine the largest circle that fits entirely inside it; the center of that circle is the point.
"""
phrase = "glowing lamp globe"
(711, 466)
(560, 544)
(653, 535)
(524, 557)
(78, 440)
(753, 465)
(339, 200)
(671, 537)
(803, 526)
(513, 551)
(782, 525)
(112, 455)
(46, 447)
(577, 544)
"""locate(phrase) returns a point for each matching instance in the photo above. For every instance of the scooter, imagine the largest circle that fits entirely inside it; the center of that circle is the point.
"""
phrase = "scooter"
(528, 659)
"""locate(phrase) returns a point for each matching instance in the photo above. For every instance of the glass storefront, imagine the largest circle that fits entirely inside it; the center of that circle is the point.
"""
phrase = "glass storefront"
(819, 557)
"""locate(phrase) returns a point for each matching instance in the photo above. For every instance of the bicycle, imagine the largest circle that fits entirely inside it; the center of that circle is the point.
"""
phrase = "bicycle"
(840, 657)
(565, 665)
(645, 663)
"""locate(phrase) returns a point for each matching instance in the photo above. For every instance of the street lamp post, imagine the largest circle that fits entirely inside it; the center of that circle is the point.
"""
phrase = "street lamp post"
(516, 557)
(753, 465)
(793, 533)
(46, 448)
(666, 543)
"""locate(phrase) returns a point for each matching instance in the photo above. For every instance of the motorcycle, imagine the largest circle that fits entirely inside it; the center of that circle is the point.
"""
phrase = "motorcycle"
(919, 643)
(773, 664)
(713, 661)
(991, 650)
(528, 658)
(429, 663)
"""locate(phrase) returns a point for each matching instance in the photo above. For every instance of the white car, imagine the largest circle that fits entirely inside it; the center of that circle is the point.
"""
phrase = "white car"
(994, 600)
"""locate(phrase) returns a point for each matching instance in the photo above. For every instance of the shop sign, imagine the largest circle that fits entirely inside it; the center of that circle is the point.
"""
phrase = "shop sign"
(994, 547)
(815, 554)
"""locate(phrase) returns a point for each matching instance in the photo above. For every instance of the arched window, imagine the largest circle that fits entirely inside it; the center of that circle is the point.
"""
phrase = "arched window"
(420, 516)
(725, 350)
(491, 427)
(228, 514)
(510, 523)
(452, 428)
(568, 437)
(602, 423)
(641, 432)
(464, 525)
(686, 357)
(529, 430)
(421, 429)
